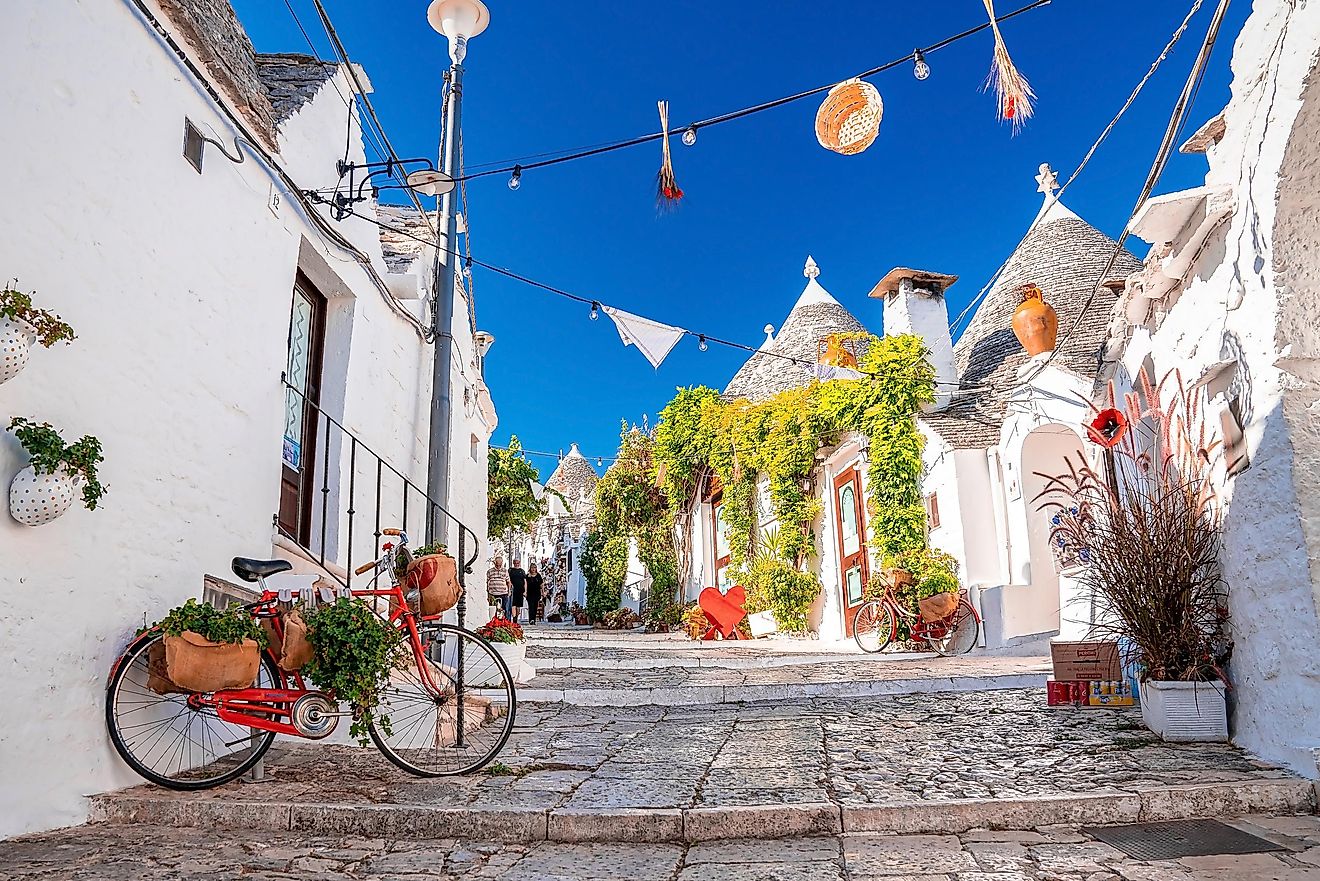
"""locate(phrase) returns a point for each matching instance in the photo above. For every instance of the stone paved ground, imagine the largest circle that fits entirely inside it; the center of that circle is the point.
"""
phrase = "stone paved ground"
(128, 853)
(920, 747)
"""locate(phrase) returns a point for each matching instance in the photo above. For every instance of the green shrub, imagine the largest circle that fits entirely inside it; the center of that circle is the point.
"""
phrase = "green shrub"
(231, 626)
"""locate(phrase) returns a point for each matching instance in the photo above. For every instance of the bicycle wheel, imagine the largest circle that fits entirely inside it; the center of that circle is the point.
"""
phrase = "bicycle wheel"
(873, 626)
(957, 635)
(169, 741)
(431, 733)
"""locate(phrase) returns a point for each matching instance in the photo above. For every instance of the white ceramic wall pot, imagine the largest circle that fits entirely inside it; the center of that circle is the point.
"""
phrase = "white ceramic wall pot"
(1184, 712)
(16, 339)
(36, 499)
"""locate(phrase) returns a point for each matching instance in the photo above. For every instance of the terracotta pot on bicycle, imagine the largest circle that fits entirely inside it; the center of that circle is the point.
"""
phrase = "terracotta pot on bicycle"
(195, 663)
(899, 578)
(938, 607)
(435, 578)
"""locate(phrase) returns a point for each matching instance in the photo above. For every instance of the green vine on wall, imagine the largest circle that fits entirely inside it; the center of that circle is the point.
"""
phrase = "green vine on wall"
(778, 439)
(630, 506)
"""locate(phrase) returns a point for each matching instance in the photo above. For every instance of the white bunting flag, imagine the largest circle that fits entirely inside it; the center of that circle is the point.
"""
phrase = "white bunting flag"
(653, 339)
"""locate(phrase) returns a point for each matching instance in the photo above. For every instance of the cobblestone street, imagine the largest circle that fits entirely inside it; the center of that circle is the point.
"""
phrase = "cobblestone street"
(108, 853)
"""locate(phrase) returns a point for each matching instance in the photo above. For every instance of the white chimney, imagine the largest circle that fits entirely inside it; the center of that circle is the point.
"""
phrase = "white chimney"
(914, 303)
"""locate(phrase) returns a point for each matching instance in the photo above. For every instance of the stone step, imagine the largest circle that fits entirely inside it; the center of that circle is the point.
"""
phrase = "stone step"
(705, 695)
(515, 824)
(756, 662)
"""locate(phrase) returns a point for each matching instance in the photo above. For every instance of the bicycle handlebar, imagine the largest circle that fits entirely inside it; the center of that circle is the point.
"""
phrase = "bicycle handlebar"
(365, 567)
(391, 532)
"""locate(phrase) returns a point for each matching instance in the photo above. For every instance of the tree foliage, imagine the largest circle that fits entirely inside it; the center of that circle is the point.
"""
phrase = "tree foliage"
(512, 504)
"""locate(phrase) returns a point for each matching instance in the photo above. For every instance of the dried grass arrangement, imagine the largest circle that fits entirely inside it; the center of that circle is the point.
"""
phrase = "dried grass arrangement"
(1149, 532)
(849, 118)
(1013, 93)
(667, 193)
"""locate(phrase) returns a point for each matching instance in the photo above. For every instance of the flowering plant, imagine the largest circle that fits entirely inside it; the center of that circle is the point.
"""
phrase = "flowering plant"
(1149, 532)
(502, 630)
(1108, 427)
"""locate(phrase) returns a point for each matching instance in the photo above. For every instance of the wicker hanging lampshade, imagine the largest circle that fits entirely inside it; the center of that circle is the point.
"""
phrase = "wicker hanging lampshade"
(849, 118)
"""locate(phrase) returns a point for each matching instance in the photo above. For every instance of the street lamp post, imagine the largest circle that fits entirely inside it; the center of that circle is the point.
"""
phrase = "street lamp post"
(459, 21)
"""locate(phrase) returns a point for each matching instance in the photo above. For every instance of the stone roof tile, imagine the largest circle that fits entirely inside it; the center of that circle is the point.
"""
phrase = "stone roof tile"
(292, 79)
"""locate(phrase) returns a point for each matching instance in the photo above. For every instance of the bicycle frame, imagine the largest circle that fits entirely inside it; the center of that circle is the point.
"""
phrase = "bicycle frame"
(919, 627)
(269, 709)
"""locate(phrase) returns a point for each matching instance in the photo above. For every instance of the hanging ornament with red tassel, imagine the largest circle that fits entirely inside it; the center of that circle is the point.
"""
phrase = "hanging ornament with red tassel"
(1012, 91)
(667, 193)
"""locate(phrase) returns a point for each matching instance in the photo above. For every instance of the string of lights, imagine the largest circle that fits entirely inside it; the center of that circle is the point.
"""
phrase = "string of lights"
(920, 69)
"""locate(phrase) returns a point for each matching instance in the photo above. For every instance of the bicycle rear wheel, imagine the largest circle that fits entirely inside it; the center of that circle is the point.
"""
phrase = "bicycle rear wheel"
(171, 741)
(873, 626)
(430, 732)
(958, 634)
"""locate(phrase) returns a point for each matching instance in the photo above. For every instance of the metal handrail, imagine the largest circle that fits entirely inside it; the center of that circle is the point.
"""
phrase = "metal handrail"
(381, 466)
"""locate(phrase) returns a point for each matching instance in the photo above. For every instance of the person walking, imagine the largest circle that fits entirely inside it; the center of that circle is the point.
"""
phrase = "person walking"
(498, 586)
(534, 585)
(518, 579)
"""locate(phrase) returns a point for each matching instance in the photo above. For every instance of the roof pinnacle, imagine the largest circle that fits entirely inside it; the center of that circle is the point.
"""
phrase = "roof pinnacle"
(811, 270)
(1047, 181)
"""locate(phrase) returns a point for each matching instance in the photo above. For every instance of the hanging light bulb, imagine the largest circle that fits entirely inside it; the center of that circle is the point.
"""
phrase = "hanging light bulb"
(516, 180)
(595, 310)
(690, 136)
(920, 69)
(600, 462)
(702, 344)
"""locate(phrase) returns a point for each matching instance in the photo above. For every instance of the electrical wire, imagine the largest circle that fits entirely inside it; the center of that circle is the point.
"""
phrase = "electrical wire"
(955, 327)
(1176, 122)
(610, 147)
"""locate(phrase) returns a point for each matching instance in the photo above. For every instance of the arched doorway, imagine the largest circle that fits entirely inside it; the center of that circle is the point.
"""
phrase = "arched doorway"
(1053, 601)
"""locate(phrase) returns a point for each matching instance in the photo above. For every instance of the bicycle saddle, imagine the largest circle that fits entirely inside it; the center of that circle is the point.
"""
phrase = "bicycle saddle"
(252, 570)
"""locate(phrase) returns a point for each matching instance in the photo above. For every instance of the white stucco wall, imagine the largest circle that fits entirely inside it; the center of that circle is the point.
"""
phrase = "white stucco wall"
(179, 286)
(1249, 298)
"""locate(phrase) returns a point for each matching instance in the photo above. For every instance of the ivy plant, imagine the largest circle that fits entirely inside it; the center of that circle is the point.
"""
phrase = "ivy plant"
(512, 504)
(353, 652)
(49, 327)
(230, 626)
(50, 454)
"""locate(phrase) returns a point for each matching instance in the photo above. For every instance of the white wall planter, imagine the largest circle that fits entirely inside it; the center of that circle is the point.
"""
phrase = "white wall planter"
(1185, 711)
(36, 499)
(16, 339)
(515, 656)
(763, 624)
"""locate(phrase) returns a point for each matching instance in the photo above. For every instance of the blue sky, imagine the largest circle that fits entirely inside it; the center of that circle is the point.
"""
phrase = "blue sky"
(945, 187)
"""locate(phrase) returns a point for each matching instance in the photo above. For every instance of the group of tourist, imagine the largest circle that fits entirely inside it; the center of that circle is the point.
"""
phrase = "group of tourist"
(509, 588)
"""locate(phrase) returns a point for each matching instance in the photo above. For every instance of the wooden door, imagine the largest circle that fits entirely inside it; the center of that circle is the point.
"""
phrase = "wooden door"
(298, 474)
(849, 516)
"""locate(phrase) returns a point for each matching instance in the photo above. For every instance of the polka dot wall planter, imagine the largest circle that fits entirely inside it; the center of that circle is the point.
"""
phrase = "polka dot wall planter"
(37, 499)
(16, 339)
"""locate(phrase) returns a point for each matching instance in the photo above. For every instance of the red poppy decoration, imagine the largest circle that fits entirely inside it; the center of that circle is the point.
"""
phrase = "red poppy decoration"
(1107, 427)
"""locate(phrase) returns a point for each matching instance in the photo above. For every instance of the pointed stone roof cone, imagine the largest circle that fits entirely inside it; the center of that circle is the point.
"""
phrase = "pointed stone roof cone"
(815, 315)
(1064, 255)
(574, 478)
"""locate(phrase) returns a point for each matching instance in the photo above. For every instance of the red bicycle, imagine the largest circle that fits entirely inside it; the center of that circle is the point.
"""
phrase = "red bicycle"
(451, 706)
(875, 625)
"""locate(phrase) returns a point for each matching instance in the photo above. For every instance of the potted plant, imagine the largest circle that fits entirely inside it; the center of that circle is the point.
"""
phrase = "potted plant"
(579, 614)
(21, 325)
(354, 651)
(1151, 530)
(925, 580)
(509, 641)
(46, 488)
(205, 649)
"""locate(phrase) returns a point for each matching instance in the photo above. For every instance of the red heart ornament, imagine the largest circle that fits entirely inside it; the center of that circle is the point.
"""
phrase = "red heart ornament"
(723, 610)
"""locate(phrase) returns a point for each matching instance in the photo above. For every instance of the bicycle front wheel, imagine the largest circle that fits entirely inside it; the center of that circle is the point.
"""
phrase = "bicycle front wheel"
(958, 634)
(168, 737)
(441, 724)
(873, 626)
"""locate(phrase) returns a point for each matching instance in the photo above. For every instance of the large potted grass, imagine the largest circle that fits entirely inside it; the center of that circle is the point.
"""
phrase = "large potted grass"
(1145, 525)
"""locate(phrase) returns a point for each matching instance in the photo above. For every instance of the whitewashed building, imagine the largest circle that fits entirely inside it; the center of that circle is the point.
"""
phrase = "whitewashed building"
(1230, 298)
(196, 282)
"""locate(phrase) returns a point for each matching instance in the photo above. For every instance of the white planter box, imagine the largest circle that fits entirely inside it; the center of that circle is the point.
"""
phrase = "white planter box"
(515, 656)
(16, 339)
(1185, 711)
(36, 499)
(763, 624)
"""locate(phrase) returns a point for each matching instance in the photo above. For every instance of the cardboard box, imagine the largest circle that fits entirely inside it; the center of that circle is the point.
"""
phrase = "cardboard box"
(1110, 694)
(1086, 661)
(1066, 694)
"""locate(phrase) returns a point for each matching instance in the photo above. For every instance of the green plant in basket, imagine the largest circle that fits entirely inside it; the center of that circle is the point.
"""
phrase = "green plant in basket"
(49, 327)
(51, 455)
(231, 626)
(353, 652)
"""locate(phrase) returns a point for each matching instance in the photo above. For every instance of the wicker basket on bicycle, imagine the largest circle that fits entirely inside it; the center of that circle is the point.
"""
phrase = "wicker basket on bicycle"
(938, 607)
(433, 580)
